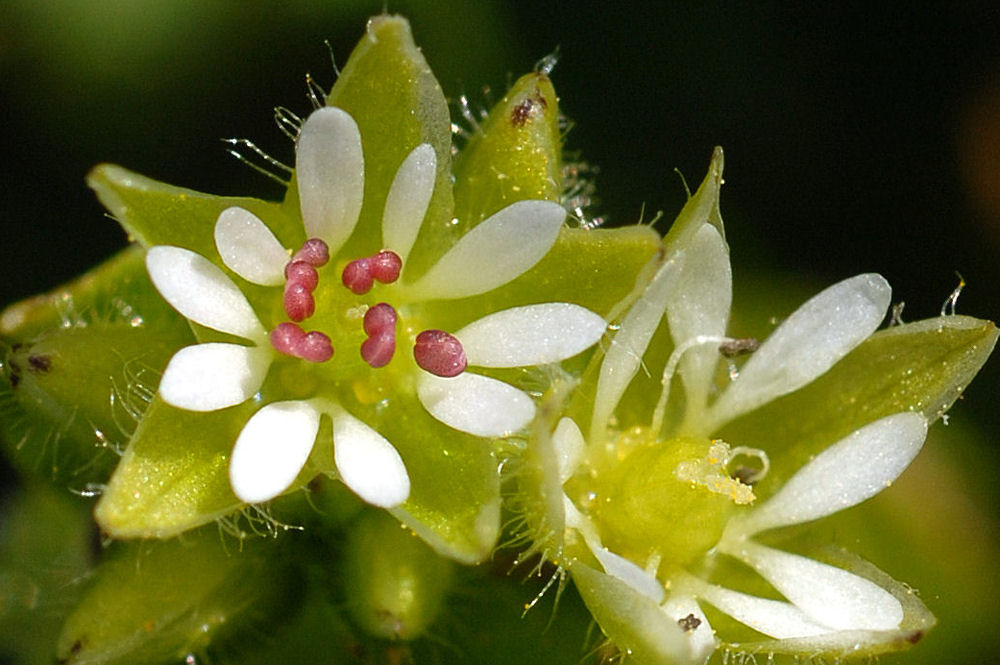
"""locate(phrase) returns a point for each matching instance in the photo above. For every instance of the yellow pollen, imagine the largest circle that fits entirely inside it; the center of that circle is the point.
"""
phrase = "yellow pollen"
(710, 472)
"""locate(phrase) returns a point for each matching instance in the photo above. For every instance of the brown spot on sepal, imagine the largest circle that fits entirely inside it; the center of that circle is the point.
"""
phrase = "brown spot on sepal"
(74, 650)
(39, 364)
(13, 373)
(526, 109)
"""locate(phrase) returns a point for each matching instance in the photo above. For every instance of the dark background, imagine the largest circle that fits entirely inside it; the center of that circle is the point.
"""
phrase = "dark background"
(858, 136)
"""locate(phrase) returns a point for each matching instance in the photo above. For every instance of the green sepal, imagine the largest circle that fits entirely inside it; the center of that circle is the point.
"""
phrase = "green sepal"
(45, 548)
(922, 366)
(514, 155)
(79, 365)
(155, 213)
(633, 622)
(174, 473)
(116, 291)
(82, 391)
(454, 502)
(389, 89)
(596, 269)
(701, 208)
(158, 601)
(395, 583)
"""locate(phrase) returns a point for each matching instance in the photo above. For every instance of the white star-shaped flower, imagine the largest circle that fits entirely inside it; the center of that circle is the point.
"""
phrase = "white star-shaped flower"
(826, 606)
(277, 441)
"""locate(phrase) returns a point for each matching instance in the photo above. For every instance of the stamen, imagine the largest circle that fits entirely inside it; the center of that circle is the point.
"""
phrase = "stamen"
(299, 302)
(379, 318)
(315, 252)
(378, 349)
(286, 338)
(291, 340)
(302, 273)
(439, 353)
(385, 266)
(380, 326)
(360, 274)
(316, 347)
(668, 372)
(357, 276)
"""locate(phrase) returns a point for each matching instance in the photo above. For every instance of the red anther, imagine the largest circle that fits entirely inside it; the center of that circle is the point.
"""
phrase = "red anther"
(439, 353)
(380, 318)
(315, 252)
(385, 266)
(357, 276)
(287, 338)
(378, 349)
(315, 347)
(302, 273)
(299, 302)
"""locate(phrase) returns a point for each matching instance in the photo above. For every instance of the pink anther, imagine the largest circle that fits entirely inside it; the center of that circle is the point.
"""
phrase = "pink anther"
(302, 273)
(357, 276)
(385, 266)
(290, 339)
(299, 302)
(439, 353)
(287, 338)
(380, 326)
(315, 347)
(315, 252)
(379, 318)
(378, 349)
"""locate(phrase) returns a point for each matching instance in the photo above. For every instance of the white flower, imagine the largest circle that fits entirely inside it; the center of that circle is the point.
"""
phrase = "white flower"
(276, 442)
(825, 607)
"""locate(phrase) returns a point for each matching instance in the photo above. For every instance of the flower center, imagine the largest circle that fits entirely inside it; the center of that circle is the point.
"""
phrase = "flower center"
(435, 351)
(663, 500)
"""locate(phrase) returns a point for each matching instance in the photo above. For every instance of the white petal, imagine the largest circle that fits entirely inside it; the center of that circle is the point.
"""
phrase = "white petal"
(531, 335)
(248, 247)
(208, 377)
(272, 449)
(368, 463)
(699, 306)
(494, 252)
(408, 198)
(828, 595)
(807, 344)
(199, 290)
(570, 445)
(330, 171)
(630, 574)
(775, 618)
(850, 471)
(679, 607)
(475, 404)
(629, 344)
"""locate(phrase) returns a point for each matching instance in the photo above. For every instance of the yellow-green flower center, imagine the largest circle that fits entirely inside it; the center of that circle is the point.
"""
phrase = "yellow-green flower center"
(661, 501)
